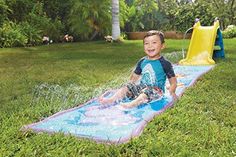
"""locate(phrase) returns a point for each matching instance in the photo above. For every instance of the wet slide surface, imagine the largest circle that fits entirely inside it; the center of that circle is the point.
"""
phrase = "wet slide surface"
(113, 124)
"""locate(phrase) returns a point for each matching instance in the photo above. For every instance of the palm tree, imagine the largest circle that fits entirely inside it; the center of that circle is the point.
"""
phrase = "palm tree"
(90, 18)
(115, 20)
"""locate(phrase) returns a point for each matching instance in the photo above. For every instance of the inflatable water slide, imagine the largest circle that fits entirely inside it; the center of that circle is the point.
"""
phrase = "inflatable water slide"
(112, 124)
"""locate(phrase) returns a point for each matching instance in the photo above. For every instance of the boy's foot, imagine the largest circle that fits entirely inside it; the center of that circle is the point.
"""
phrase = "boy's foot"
(105, 101)
(126, 105)
(120, 107)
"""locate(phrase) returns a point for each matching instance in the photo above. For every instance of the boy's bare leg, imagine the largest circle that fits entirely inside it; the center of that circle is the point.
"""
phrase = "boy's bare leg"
(120, 94)
(142, 98)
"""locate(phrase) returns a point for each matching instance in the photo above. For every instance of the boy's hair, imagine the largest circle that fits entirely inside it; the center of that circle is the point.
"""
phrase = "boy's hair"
(154, 32)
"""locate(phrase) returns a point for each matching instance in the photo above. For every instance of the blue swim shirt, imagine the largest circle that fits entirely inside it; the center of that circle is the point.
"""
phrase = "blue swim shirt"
(154, 72)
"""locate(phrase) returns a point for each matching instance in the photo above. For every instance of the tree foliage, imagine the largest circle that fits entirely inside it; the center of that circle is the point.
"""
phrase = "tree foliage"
(19, 9)
(89, 19)
(4, 9)
(143, 15)
(181, 13)
(224, 9)
(11, 35)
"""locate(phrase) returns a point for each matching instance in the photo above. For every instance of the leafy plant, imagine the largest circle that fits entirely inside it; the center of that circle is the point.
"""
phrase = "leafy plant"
(230, 32)
(4, 9)
(55, 29)
(39, 19)
(33, 35)
(142, 15)
(43, 25)
(12, 35)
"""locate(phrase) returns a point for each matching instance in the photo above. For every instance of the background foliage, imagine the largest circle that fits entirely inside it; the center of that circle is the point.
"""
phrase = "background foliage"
(91, 20)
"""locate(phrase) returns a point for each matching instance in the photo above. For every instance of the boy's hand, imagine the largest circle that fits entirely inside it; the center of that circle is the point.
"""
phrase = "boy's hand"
(172, 88)
(174, 96)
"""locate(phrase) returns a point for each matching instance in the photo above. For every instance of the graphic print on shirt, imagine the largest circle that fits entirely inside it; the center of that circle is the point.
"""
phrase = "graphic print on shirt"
(148, 75)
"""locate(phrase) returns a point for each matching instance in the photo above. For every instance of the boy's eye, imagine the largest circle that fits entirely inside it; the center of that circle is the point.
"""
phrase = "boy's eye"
(145, 43)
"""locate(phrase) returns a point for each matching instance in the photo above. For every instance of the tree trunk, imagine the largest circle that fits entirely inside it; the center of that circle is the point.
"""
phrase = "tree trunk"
(115, 20)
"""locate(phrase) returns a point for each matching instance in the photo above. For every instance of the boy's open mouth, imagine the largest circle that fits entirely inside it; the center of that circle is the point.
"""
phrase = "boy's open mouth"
(151, 51)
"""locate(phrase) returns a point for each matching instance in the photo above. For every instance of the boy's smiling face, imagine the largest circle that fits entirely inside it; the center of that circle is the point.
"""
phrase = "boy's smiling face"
(153, 46)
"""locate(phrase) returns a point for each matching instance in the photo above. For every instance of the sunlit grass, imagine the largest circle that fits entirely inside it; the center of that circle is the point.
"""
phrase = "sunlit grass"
(202, 123)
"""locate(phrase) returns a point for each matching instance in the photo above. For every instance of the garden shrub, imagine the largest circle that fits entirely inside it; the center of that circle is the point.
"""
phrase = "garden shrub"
(11, 35)
(39, 19)
(142, 15)
(3, 11)
(90, 23)
(230, 32)
(41, 22)
(33, 34)
(55, 30)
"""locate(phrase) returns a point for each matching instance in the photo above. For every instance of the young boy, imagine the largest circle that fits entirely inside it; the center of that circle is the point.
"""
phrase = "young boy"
(147, 82)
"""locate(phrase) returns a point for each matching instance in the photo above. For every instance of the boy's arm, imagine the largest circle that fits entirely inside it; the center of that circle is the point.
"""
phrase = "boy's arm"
(134, 77)
(173, 86)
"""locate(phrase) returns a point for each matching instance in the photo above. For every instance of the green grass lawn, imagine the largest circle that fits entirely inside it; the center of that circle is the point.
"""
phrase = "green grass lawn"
(201, 123)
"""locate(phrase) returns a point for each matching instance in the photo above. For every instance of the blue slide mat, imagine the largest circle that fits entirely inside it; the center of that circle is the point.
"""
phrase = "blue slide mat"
(113, 124)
